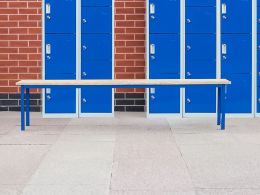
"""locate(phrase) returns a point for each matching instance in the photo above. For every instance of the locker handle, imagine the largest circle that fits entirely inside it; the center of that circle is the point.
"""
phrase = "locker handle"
(152, 8)
(48, 49)
(224, 49)
(188, 21)
(188, 74)
(152, 49)
(84, 21)
(188, 100)
(48, 97)
(152, 97)
(84, 100)
(84, 47)
(224, 8)
(84, 74)
(188, 47)
(48, 8)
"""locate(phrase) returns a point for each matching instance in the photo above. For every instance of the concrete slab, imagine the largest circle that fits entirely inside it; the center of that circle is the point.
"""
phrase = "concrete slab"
(147, 192)
(223, 166)
(19, 162)
(153, 175)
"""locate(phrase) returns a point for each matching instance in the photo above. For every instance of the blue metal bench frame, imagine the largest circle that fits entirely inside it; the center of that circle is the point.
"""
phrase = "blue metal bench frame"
(222, 91)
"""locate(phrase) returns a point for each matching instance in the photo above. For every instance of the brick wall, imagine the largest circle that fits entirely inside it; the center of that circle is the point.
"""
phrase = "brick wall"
(20, 49)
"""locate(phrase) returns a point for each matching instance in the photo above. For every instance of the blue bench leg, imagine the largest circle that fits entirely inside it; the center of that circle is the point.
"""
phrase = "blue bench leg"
(219, 106)
(22, 109)
(27, 107)
(223, 112)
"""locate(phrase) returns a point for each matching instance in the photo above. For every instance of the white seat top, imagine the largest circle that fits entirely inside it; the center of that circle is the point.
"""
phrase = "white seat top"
(124, 82)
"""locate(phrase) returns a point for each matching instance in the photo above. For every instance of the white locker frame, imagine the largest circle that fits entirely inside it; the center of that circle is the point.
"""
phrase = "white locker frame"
(182, 113)
(77, 114)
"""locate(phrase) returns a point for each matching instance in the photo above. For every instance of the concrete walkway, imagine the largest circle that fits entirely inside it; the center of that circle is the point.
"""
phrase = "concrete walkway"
(129, 155)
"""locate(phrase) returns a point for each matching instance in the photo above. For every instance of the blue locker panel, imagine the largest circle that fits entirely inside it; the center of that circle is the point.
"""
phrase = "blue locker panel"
(96, 100)
(258, 60)
(239, 93)
(200, 20)
(164, 100)
(60, 54)
(96, 2)
(258, 17)
(236, 53)
(60, 99)
(96, 20)
(60, 16)
(200, 99)
(96, 56)
(193, 3)
(237, 17)
(164, 54)
(258, 100)
(164, 16)
(201, 53)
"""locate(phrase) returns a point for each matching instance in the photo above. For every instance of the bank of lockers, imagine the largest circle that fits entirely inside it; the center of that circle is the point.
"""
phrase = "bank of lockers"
(200, 51)
(61, 53)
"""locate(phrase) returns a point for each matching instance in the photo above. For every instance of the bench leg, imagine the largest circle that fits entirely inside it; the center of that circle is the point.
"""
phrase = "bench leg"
(22, 109)
(27, 107)
(219, 106)
(223, 112)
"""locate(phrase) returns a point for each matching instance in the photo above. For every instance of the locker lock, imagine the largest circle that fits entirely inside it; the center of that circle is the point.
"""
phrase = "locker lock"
(259, 73)
(258, 46)
(188, 21)
(188, 47)
(48, 17)
(84, 74)
(224, 17)
(48, 57)
(258, 99)
(258, 20)
(48, 97)
(224, 57)
(152, 97)
(188, 100)
(84, 47)
(84, 21)
(84, 100)
(188, 74)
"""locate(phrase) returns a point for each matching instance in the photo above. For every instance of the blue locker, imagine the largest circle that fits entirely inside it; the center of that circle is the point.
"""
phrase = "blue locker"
(96, 20)
(201, 53)
(236, 16)
(96, 100)
(164, 55)
(164, 16)
(258, 60)
(60, 16)
(96, 62)
(200, 3)
(96, 2)
(200, 99)
(60, 100)
(200, 20)
(258, 18)
(258, 100)
(236, 53)
(239, 93)
(164, 100)
(60, 54)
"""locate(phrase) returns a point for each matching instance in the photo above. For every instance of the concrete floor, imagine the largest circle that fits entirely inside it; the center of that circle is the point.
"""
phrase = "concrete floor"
(129, 155)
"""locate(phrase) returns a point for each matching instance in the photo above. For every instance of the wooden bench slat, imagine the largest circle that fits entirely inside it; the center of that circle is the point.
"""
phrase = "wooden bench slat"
(125, 82)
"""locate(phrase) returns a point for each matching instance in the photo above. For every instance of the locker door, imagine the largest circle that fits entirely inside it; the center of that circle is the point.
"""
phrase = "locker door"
(96, 100)
(258, 60)
(164, 55)
(239, 94)
(60, 54)
(96, 2)
(162, 11)
(236, 16)
(200, 3)
(96, 20)
(164, 100)
(60, 100)
(236, 53)
(200, 20)
(201, 53)
(258, 17)
(96, 56)
(200, 99)
(258, 100)
(60, 16)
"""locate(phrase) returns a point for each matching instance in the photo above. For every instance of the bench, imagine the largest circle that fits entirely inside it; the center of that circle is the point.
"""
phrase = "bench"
(26, 85)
